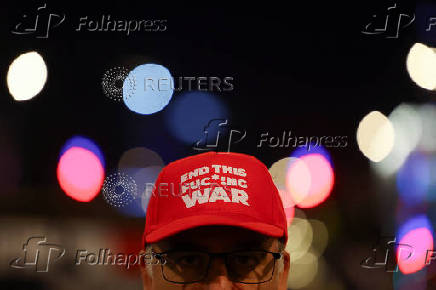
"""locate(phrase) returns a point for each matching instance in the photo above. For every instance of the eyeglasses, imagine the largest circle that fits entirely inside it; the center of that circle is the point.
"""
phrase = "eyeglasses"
(248, 267)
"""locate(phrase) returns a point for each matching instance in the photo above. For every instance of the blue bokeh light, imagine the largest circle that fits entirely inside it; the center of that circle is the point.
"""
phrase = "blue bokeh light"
(85, 143)
(148, 88)
(415, 281)
(144, 179)
(314, 149)
(413, 179)
(192, 112)
(417, 222)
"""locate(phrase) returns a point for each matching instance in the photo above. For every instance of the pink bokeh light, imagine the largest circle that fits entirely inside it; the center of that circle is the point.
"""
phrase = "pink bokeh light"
(288, 205)
(411, 257)
(310, 180)
(80, 174)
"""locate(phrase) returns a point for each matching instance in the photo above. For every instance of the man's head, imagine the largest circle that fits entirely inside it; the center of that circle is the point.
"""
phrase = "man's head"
(216, 221)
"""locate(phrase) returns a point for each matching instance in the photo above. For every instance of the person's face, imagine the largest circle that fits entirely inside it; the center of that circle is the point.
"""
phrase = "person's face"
(217, 239)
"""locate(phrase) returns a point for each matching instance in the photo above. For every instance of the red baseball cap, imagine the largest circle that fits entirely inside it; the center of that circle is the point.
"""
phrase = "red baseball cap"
(214, 188)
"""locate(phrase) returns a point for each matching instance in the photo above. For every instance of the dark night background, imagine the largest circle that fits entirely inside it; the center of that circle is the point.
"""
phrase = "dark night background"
(304, 68)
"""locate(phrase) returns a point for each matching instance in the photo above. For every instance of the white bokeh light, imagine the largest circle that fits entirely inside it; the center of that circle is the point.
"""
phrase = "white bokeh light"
(26, 76)
(427, 114)
(300, 239)
(303, 271)
(375, 136)
(421, 65)
(408, 130)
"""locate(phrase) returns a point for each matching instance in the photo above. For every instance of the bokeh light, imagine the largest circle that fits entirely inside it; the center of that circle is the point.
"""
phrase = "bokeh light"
(148, 176)
(139, 157)
(421, 65)
(314, 149)
(415, 238)
(278, 171)
(298, 181)
(286, 198)
(320, 237)
(300, 236)
(145, 179)
(407, 124)
(143, 166)
(80, 174)
(302, 271)
(320, 279)
(189, 114)
(85, 143)
(375, 136)
(413, 179)
(26, 76)
(427, 141)
(290, 214)
(310, 180)
(148, 88)
(415, 281)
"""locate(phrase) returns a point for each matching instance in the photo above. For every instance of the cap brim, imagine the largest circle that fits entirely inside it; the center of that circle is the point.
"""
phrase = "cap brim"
(187, 223)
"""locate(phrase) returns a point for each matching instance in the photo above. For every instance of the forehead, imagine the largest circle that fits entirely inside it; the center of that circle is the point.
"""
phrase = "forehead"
(218, 239)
